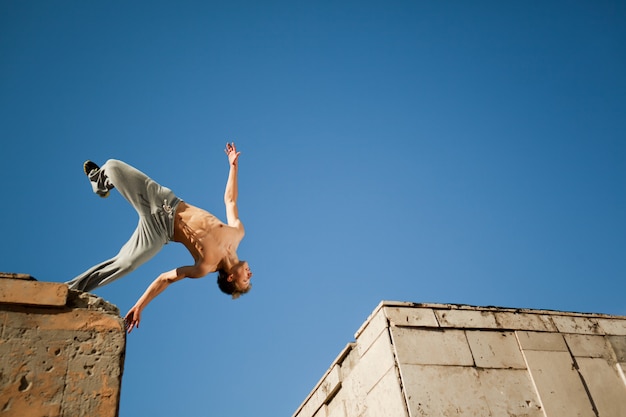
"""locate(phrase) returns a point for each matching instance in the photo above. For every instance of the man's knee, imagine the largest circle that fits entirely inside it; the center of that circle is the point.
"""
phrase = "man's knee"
(129, 260)
(113, 164)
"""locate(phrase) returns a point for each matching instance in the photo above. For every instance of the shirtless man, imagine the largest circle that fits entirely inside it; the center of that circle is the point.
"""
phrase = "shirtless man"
(164, 217)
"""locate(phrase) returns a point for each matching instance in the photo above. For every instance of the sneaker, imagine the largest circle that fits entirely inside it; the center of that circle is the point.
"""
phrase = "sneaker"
(91, 169)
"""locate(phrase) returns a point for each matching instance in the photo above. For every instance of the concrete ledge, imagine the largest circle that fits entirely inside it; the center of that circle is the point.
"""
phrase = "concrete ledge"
(17, 275)
(19, 290)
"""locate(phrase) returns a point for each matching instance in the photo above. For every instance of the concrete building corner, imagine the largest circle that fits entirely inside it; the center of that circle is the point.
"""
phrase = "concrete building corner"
(421, 360)
(62, 351)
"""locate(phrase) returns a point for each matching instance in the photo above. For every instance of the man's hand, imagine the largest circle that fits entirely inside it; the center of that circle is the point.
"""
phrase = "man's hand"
(232, 153)
(132, 319)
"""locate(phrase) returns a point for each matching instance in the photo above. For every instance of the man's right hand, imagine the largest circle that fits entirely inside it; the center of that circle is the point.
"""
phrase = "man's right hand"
(132, 319)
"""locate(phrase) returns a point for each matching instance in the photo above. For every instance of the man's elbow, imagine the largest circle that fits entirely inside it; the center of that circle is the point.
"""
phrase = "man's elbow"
(197, 272)
(168, 278)
(164, 280)
(229, 201)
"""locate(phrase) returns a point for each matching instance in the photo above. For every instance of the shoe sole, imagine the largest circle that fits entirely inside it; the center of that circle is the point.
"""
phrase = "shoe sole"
(89, 166)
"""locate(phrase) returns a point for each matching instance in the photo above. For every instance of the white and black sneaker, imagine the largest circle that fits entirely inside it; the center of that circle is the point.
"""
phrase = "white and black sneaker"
(91, 169)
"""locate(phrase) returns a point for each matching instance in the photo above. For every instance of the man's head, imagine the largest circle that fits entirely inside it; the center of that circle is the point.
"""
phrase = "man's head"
(235, 281)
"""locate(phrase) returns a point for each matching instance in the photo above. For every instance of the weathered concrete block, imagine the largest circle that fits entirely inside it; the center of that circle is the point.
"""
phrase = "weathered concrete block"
(579, 325)
(618, 344)
(558, 384)
(385, 399)
(353, 392)
(368, 333)
(336, 408)
(541, 341)
(590, 346)
(412, 317)
(426, 347)
(509, 393)
(605, 385)
(326, 388)
(612, 326)
(524, 321)
(375, 363)
(444, 391)
(348, 358)
(59, 360)
(467, 319)
(495, 349)
(19, 291)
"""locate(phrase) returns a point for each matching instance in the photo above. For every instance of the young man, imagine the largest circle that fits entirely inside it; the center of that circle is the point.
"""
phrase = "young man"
(163, 217)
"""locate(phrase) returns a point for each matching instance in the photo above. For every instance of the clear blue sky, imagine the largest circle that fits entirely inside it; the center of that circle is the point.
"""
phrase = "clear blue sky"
(448, 152)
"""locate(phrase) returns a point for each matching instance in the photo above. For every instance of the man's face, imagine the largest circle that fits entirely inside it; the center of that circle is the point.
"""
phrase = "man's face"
(241, 277)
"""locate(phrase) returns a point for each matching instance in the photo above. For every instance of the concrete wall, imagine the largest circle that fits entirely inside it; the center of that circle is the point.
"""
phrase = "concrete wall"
(61, 351)
(419, 360)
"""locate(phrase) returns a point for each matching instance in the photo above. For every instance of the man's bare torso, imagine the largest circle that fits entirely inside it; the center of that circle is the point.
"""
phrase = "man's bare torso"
(211, 242)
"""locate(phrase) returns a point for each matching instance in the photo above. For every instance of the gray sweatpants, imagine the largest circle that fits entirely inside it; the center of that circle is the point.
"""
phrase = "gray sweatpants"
(156, 206)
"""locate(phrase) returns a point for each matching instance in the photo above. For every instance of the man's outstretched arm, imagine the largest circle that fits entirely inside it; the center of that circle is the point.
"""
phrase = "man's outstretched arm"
(133, 317)
(231, 193)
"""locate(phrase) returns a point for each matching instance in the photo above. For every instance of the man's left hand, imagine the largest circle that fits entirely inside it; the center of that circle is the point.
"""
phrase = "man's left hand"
(232, 153)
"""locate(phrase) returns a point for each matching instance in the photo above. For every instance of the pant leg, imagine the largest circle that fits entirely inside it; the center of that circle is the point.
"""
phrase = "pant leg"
(154, 204)
(142, 246)
(142, 192)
